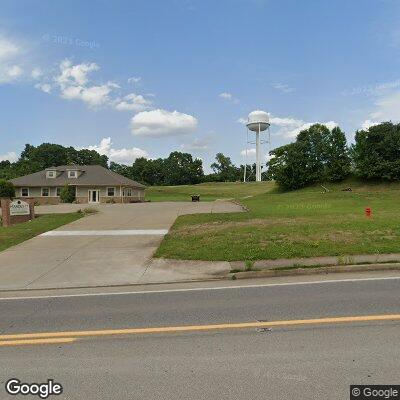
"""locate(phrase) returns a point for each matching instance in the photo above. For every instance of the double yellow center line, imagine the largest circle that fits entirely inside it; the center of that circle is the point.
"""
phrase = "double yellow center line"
(72, 336)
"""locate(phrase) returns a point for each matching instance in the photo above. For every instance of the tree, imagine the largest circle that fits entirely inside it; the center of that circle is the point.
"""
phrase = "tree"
(318, 155)
(139, 168)
(48, 155)
(288, 166)
(122, 169)
(86, 157)
(67, 194)
(376, 152)
(224, 169)
(53, 155)
(181, 169)
(337, 157)
(7, 189)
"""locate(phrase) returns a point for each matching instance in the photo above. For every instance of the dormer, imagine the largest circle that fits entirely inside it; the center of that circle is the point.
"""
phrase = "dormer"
(51, 173)
(73, 173)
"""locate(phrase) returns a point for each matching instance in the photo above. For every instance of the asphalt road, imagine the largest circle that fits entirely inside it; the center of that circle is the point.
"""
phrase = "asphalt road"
(312, 361)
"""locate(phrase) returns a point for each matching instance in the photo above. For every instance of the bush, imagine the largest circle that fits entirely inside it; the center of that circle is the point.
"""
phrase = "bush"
(67, 194)
(7, 189)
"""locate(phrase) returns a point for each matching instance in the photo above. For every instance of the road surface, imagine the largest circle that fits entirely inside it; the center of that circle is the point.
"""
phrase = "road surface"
(247, 339)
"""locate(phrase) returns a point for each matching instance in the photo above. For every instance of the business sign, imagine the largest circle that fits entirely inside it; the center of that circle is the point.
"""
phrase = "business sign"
(19, 207)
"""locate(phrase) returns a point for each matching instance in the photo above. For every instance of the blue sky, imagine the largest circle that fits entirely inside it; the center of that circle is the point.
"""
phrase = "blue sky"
(132, 78)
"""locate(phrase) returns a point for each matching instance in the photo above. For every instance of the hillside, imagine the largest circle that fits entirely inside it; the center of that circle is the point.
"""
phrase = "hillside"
(301, 223)
(208, 191)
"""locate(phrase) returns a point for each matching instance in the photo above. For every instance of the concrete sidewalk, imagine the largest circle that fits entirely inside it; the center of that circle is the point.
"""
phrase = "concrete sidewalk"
(81, 261)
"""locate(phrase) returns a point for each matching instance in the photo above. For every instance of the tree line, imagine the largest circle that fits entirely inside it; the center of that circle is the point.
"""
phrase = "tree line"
(46, 155)
(318, 155)
(177, 169)
(321, 155)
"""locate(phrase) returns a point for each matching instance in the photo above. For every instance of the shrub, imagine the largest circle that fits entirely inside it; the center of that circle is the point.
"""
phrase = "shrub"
(89, 210)
(67, 194)
(7, 189)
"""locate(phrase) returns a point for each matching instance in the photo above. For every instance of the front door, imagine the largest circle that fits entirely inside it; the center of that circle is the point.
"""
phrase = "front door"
(94, 196)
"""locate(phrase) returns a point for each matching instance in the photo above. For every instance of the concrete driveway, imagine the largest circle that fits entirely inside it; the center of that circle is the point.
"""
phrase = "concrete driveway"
(105, 249)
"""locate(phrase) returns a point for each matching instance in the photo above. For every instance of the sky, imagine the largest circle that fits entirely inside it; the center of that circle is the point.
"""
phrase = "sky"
(144, 78)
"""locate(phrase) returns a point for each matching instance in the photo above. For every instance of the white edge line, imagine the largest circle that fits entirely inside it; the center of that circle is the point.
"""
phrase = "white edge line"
(127, 232)
(202, 289)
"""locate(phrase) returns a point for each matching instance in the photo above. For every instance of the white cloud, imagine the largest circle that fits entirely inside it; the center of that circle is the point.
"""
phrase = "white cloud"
(15, 71)
(282, 87)
(286, 122)
(124, 156)
(10, 156)
(291, 127)
(386, 104)
(36, 73)
(93, 95)
(8, 49)
(132, 102)
(374, 89)
(10, 68)
(134, 79)
(44, 87)
(368, 123)
(250, 152)
(387, 107)
(73, 82)
(162, 123)
(225, 95)
(292, 133)
(198, 144)
(10, 73)
(75, 74)
(229, 97)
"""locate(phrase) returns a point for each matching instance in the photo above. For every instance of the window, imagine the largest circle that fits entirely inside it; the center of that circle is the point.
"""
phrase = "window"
(72, 174)
(58, 191)
(51, 174)
(111, 191)
(127, 192)
(45, 192)
(24, 192)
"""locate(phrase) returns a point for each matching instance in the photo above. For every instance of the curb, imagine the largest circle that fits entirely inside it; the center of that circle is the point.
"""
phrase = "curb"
(117, 285)
(315, 271)
(263, 273)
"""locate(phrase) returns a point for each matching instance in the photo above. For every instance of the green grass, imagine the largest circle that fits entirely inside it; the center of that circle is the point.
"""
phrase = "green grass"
(207, 191)
(10, 236)
(302, 223)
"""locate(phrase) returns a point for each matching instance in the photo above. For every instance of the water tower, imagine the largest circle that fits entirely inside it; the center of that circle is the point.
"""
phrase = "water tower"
(258, 121)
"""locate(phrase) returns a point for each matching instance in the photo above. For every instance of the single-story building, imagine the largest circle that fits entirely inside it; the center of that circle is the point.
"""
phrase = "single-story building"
(92, 183)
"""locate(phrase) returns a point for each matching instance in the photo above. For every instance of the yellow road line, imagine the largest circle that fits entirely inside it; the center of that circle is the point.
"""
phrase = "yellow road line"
(36, 341)
(188, 328)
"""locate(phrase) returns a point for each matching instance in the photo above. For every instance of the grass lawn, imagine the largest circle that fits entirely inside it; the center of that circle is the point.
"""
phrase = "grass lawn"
(15, 234)
(302, 223)
(207, 191)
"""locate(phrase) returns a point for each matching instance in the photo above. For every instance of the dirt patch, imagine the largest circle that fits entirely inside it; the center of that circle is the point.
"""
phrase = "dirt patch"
(216, 226)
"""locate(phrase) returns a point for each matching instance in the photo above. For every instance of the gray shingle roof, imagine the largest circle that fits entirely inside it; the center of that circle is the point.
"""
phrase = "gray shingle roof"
(92, 175)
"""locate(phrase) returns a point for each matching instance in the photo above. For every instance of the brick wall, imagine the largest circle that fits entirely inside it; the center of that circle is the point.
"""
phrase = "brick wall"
(8, 219)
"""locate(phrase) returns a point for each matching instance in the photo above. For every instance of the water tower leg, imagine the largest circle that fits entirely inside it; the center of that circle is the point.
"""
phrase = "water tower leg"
(258, 157)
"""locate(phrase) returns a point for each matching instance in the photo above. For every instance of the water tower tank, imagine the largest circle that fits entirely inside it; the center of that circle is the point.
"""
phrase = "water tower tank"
(258, 121)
